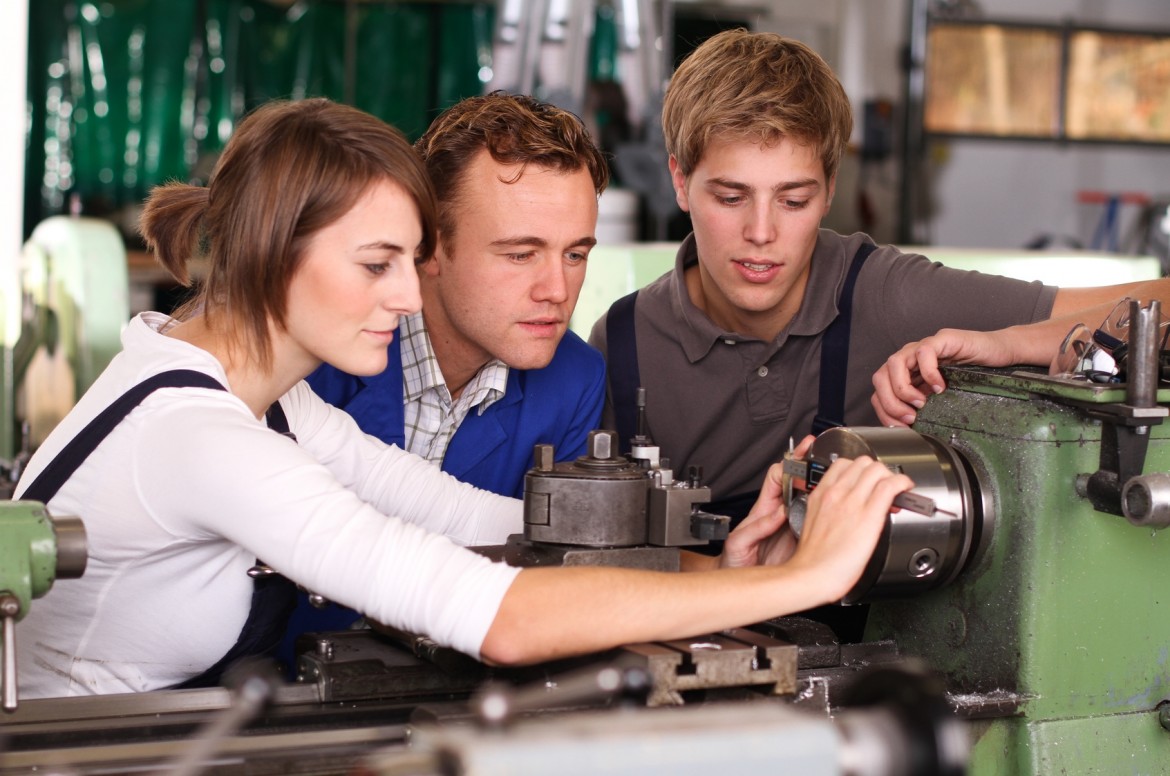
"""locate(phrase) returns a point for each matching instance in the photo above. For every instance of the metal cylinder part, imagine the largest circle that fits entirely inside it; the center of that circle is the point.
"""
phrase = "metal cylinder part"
(1145, 500)
(916, 552)
(1143, 372)
(598, 500)
(72, 552)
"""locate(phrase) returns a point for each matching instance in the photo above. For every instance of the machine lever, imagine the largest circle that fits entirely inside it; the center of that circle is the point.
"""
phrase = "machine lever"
(9, 609)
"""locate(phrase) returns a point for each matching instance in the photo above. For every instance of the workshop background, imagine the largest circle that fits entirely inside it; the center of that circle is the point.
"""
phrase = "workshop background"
(1036, 146)
(1030, 139)
(1032, 145)
(125, 94)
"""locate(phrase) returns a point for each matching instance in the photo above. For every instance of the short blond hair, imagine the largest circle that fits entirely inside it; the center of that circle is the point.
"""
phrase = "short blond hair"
(758, 86)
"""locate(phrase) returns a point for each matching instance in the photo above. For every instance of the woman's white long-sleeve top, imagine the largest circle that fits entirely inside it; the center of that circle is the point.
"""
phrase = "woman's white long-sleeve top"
(191, 489)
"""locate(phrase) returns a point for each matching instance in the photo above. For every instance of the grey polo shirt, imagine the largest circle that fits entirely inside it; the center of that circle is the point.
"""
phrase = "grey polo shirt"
(730, 403)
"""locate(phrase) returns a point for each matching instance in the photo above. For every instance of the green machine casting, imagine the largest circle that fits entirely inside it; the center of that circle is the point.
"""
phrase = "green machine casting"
(1035, 578)
(67, 298)
(37, 549)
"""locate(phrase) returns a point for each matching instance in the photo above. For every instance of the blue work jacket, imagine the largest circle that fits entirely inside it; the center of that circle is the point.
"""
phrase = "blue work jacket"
(559, 405)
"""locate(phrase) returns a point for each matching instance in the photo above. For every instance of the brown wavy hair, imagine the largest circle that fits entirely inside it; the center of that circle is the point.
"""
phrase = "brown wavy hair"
(289, 170)
(515, 130)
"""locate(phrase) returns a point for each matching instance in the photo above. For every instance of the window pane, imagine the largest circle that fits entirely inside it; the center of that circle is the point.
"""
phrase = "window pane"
(1119, 87)
(990, 79)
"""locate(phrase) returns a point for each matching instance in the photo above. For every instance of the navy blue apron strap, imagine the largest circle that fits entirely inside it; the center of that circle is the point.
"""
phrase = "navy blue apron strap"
(277, 421)
(61, 468)
(622, 367)
(273, 599)
(835, 351)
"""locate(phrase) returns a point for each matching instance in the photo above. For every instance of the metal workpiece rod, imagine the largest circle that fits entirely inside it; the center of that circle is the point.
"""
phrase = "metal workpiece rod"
(1142, 378)
(9, 610)
(499, 704)
(255, 690)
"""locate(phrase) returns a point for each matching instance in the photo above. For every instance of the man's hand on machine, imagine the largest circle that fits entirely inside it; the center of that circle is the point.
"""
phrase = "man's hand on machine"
(903, 383)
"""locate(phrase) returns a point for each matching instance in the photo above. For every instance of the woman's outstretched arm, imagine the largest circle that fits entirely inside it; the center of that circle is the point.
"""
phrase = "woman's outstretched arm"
(549, 613)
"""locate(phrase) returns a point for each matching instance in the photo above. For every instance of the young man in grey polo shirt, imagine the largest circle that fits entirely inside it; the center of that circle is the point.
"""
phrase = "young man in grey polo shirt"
(769, 327)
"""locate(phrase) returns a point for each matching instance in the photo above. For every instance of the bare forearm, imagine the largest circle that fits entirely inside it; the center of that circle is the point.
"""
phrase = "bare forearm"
(557, 612)
(694, 561)
(1034, 344)
(1093, 304)
(1037, 343)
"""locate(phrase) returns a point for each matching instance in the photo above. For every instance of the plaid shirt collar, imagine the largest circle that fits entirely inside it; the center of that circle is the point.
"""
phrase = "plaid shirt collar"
(421, 373)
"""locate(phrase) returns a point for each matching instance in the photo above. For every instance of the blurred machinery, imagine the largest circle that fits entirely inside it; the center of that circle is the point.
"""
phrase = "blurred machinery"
(62, 310)
(1023, 569)
(37, 550)
(543, 47)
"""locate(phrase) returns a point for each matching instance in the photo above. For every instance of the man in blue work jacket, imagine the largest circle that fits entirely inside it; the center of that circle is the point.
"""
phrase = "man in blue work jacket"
(489, 369)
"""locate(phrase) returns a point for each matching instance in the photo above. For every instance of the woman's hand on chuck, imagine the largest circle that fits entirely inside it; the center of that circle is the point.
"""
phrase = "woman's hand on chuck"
(846, 514)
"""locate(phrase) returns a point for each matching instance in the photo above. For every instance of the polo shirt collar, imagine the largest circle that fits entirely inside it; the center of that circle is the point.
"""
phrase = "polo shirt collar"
(817, 310)
(825, 278)
(698, 333)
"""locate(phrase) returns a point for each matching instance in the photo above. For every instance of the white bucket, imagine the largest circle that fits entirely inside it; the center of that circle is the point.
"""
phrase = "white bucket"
(617, 217)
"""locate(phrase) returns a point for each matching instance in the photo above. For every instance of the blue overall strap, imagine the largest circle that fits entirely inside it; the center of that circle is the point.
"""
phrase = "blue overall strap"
(61, 468)
(835, 351)
(622, 367)
(273, 596)
(277, 420)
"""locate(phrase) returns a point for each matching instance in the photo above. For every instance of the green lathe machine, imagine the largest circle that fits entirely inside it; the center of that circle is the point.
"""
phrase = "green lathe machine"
(36, 551)
(63, 306)
(1051, 496)
(1026, 568)
(1056, 641)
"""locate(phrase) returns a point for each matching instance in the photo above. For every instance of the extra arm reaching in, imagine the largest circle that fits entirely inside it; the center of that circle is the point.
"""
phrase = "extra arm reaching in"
(911, 375)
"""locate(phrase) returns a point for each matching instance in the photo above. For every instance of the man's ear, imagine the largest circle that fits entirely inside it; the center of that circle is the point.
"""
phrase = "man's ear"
(679, 181)
(829, 198)
(432, 267)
